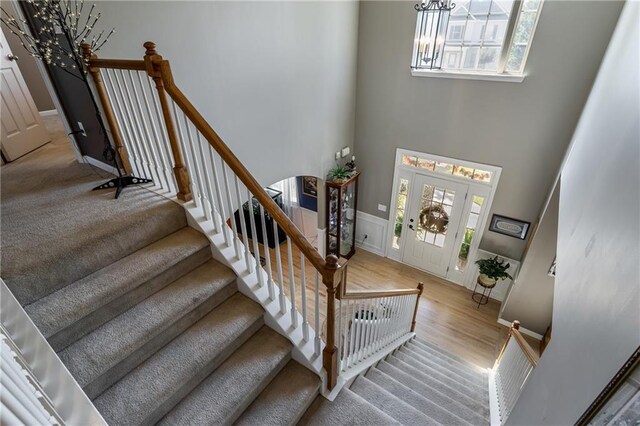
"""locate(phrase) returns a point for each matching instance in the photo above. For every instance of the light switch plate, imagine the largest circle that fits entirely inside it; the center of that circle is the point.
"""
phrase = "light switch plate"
(382, 207)
(338, 155)
(345, 151)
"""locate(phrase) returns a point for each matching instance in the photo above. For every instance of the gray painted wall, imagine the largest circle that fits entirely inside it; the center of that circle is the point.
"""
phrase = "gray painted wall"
(596, 315)
(525, 127)
(275, 79)
(530, 300)
(29, 70)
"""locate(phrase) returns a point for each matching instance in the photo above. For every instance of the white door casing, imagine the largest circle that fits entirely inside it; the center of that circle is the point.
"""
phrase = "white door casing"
(22, 129)
(428, 248)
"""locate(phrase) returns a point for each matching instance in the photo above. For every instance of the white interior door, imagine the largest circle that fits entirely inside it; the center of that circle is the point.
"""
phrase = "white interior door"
(22, 129)
(434, 212)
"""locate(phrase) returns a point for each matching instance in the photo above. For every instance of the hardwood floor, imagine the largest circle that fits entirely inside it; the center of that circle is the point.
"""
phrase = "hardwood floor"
(447, 317)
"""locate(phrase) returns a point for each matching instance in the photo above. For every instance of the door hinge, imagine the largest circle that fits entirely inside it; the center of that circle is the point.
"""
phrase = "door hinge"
(456, 236)
(447, 268)
(466, 195)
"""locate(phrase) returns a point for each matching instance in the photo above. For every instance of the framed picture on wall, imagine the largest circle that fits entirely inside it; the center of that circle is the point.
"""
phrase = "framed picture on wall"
(310, 186)
(509, 226)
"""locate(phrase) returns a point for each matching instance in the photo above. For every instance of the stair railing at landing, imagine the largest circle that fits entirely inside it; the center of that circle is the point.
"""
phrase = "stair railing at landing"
(509, 374)
(160, 135)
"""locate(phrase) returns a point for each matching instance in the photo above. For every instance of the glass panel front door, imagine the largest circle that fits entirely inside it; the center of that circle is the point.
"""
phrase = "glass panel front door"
(433, 218)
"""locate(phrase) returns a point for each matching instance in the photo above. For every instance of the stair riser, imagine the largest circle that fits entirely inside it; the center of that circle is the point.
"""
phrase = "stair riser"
(107, 312)
(441, 364)
(162, 337)
(429, 348)
(166, 406)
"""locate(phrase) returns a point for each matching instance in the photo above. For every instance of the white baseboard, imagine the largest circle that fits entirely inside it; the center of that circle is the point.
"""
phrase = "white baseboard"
(522, 329)
(99, 164)
(375, 229)
(48, 113)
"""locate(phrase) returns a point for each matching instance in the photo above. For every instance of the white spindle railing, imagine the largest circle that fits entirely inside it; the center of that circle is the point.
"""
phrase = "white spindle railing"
(368, 325)
(516, 361)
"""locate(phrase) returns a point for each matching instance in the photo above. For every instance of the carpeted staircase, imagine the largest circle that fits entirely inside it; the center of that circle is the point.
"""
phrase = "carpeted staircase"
(148, 323)
(418, 384)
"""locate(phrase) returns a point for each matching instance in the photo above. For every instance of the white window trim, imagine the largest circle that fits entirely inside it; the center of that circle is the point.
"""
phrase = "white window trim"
(462, 75)
(479, 75)
(402, 171)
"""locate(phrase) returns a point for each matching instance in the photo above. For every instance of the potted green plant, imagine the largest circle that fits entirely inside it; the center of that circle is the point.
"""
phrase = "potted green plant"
(492, 270)
(339, 174)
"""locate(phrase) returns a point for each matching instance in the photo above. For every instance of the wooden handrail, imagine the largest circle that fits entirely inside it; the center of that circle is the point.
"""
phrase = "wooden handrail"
(514, 332)
(528, 350)
(118, 64)
(379, 294)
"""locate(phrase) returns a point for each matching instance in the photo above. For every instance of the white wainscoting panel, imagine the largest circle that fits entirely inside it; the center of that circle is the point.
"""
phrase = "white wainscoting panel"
(375, 229)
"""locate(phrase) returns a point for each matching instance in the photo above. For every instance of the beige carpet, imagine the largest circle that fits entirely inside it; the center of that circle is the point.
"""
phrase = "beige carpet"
(55, 230)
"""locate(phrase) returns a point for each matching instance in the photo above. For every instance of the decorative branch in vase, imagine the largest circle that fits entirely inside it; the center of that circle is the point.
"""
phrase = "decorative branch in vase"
(63, 30)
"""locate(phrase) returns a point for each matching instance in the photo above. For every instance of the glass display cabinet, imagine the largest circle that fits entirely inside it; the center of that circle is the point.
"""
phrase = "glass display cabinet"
(341, 207)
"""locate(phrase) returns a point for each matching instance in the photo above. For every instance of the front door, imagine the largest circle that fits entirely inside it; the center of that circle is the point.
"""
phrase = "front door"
(22, 129)
(434, 212)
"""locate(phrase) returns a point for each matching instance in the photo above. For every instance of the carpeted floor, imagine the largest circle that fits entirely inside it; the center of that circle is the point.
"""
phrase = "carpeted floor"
(48, 212)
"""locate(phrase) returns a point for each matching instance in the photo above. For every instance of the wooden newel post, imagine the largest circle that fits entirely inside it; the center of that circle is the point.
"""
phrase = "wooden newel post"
(515, 325)
(330, 352)
(116, 136)
(153, 63)
(415, 311)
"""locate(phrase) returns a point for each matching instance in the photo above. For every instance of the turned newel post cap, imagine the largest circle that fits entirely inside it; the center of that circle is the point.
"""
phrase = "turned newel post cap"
(516, 325)
(420, 286)
(151, 48)
(332, 261)
(86, 49)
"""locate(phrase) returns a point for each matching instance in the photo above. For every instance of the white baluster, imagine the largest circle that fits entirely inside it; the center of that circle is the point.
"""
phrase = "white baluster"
(196, 168)
(352, 332)
(165, 148)
(221, 209)
(148, 143)
(345, 336)
(208, 178)
(292, 286)
(146, 159)
(121, 119)
(283, 305)
(267, 255)
(158, 130)
(189, 162)
(254, 239)
(232, 219)
(127, 117)
(317, 308)
(303, 293)
(340, 312)
(243, 224)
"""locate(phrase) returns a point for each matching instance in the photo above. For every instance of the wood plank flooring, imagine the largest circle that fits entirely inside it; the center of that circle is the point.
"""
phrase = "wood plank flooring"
(446, 317)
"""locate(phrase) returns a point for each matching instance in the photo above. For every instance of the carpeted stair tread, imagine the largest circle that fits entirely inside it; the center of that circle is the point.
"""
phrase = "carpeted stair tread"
(229, 390)
(75, 310)
(347, 409)
(433, 404)
(438, 364)
(445, 358)
(149, 391)
(432, 389)
(431, 348)
(390, 404)
(285, 399)
(448, 377)
(437, 380)
(50, 244)
(108, 353)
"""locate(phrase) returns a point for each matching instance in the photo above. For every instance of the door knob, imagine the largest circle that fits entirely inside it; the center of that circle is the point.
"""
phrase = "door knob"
(411, 227)
(12, 57)
(411, 220)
